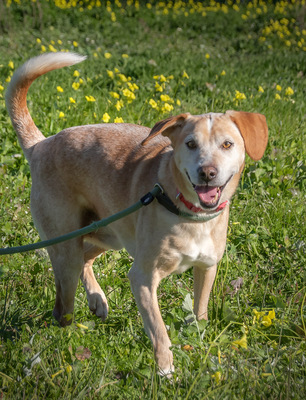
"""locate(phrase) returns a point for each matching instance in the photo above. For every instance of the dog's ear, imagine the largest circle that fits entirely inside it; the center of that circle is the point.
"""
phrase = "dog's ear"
(166, 126)
(254, 130)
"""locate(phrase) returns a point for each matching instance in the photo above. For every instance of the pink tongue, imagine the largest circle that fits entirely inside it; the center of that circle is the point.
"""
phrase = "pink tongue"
(206, 193)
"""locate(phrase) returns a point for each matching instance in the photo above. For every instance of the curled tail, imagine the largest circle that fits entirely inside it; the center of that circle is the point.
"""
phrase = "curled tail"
(16, 95)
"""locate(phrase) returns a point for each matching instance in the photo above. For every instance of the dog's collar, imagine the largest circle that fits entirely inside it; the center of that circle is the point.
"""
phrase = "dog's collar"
(165, 201)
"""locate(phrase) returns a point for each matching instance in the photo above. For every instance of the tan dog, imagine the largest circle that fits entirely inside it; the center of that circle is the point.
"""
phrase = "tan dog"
(86, 173)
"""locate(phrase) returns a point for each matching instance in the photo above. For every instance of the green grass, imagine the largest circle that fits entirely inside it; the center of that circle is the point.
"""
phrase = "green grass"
(205, 59)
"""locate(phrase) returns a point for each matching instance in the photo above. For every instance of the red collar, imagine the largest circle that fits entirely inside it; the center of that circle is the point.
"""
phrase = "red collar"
(195, 209)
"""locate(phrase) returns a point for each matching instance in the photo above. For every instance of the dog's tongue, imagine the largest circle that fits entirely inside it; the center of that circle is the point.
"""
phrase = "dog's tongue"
(206, 193)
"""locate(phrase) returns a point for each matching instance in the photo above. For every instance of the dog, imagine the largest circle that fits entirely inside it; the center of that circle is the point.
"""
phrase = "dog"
(86, 173)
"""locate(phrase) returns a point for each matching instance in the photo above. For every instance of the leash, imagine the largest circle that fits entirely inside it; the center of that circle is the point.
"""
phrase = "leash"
(144, 201)
(157, 192)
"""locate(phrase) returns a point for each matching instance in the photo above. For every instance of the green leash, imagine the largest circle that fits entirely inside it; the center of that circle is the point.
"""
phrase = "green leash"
(144, 201)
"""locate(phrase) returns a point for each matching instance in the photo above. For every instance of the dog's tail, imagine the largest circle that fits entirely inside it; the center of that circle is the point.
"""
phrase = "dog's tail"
(16, 95)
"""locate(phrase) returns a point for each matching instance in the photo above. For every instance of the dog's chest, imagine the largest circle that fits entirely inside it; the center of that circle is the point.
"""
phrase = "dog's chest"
(197, 249)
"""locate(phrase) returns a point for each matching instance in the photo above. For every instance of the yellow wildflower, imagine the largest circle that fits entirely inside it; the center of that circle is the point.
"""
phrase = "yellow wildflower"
(278, 88)
(289, 91)
(260, 89)
(158, 87)
(90, 98)
(207, 56)
(76, 73)
(129, 94)
(267, 319)
(118, 120)
(132, 86)
(217, 377)
(52, 48)
(223, 73)
(178, 102)
(11, 64)
(107, 55)
(95, 55)
(81, 81)
(123, 78)
(59, 42)
(71, 99)
(38, 40)
(75, 44)
(239, 95)
(165, 97)
(153, 103)
(277, 97)
(43, 48)
(75, 85)
(105, 118)
(110, 74)
(114, 95)
(8, 79)
(59, 89)
(119, 105)
(162, 78)
(241, 342)
(1, 88)
(61, 114)
(271, 314)
(185, 75)
(125, 56)
(167, 107)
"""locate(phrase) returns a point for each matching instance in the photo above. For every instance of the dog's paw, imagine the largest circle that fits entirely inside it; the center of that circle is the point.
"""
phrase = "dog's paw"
(166, 372)
(98, 304)
(63, 320)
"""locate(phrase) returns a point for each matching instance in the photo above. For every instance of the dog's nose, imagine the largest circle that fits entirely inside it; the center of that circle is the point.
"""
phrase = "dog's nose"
(207, 173)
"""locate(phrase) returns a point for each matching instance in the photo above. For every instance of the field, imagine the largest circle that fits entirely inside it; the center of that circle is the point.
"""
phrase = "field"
(146, 61)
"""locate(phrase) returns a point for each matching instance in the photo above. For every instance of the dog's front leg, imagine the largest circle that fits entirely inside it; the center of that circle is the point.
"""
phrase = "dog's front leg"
(203, 282)
(144, 286)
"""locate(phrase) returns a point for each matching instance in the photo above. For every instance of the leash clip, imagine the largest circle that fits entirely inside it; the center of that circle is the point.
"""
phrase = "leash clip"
(161, 189)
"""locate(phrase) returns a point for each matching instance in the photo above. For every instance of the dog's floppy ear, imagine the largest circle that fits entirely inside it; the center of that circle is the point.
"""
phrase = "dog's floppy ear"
(166, 126)
(254, 130)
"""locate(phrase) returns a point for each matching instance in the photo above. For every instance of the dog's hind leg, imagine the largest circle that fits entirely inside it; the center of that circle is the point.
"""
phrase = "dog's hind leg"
(67, 262)
(96, 298)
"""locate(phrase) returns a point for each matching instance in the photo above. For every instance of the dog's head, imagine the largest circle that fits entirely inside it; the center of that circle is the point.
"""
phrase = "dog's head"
(209, 152)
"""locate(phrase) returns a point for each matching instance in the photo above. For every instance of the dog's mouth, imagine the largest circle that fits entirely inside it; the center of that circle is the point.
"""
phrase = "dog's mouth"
(209, 196)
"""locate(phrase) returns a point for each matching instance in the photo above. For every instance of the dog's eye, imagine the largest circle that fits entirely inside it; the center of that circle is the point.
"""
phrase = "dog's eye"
(226, 145)
(191, 144)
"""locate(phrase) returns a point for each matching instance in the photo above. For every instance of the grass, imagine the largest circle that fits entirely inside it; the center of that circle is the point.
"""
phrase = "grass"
(200, 57)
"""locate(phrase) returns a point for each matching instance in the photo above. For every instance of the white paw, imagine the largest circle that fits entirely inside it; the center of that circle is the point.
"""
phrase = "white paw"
(166, 372)
(98, 304)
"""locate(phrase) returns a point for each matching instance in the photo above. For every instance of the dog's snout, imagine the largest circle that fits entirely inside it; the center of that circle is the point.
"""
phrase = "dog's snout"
(207, 173)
